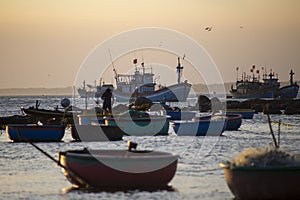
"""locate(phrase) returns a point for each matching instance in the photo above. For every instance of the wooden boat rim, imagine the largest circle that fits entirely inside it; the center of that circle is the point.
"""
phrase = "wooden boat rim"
(259, 168)
(119, 154)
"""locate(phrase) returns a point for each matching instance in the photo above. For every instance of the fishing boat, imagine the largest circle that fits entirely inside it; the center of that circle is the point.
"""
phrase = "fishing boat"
(142, 84)
(290, 91)
(212, 126)
(118, 168)
(35, 133)
(250, 87)
(93, 133)
(47, 116)
(137, 123)
(246, 113)
(233, 121)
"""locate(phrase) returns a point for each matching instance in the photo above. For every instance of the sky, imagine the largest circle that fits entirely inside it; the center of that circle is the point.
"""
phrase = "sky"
(44, 43)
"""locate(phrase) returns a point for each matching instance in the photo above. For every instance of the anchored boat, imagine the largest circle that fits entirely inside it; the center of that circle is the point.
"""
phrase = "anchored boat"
(250, 87)
(118, 168)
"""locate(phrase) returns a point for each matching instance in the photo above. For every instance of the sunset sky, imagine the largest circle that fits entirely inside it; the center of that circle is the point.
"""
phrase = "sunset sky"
(43, 43)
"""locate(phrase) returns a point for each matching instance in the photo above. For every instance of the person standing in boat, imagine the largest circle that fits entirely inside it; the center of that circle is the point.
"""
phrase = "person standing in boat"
(108, 100)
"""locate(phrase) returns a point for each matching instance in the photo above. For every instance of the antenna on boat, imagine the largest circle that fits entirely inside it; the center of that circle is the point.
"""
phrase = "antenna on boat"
(179, 69)
(291, 77)
(114, 69)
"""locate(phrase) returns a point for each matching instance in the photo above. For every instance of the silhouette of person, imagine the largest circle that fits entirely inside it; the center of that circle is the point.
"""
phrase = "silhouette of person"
(107, 98)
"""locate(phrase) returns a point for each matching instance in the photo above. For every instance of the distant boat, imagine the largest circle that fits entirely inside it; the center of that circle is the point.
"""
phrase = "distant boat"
(250, 87)
(118, 169)
(141, 84)
(96, 91)
(214, 126)
(35, 133)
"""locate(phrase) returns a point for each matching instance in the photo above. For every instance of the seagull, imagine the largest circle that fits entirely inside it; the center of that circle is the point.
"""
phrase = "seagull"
(209, 28)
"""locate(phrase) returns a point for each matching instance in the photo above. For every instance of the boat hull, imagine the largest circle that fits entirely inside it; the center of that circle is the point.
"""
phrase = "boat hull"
(95, 133)
(173, 93)
(288, 92)
(35, 133)
(126, 169)
(199, 127)
(267, 92)
(233, 121)
(144, 126)
(273, 182)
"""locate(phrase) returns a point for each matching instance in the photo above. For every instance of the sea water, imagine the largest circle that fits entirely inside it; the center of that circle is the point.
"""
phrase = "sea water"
(25, 173)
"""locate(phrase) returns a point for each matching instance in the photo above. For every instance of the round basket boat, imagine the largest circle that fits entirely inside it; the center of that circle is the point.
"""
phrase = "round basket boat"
(267, 182)
(118, 168)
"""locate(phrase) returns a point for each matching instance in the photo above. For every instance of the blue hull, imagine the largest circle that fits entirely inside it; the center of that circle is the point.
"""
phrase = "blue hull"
(266, 93)
(34, 133)
(173, 93)
(153, 126)
(199, 128)
(233, 121)
(288, 92)
(180, 115)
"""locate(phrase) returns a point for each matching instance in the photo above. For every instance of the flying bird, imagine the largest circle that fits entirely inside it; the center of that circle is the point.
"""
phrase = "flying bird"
(209, 28)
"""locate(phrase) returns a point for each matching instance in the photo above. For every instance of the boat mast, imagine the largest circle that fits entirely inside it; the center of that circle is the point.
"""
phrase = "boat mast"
(179, 69)
(114, 69)
(291, 77)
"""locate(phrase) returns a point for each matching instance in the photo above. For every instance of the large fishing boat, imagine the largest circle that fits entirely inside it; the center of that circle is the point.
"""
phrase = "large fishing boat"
(252, 87)
(142, 84)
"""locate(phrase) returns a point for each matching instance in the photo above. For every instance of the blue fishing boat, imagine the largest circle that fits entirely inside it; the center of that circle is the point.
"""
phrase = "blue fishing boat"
(233, 121)
(214, 126)
(35, 133)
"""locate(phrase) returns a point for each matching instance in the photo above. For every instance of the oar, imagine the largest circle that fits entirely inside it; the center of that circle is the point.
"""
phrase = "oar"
(78, 178)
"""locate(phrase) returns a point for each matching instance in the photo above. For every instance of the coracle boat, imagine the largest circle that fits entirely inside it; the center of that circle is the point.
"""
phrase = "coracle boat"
(100, 132)
(35, 133)
(212, 126)
(137, 123)
(270, 174)
(118, 168)
(233, 121)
